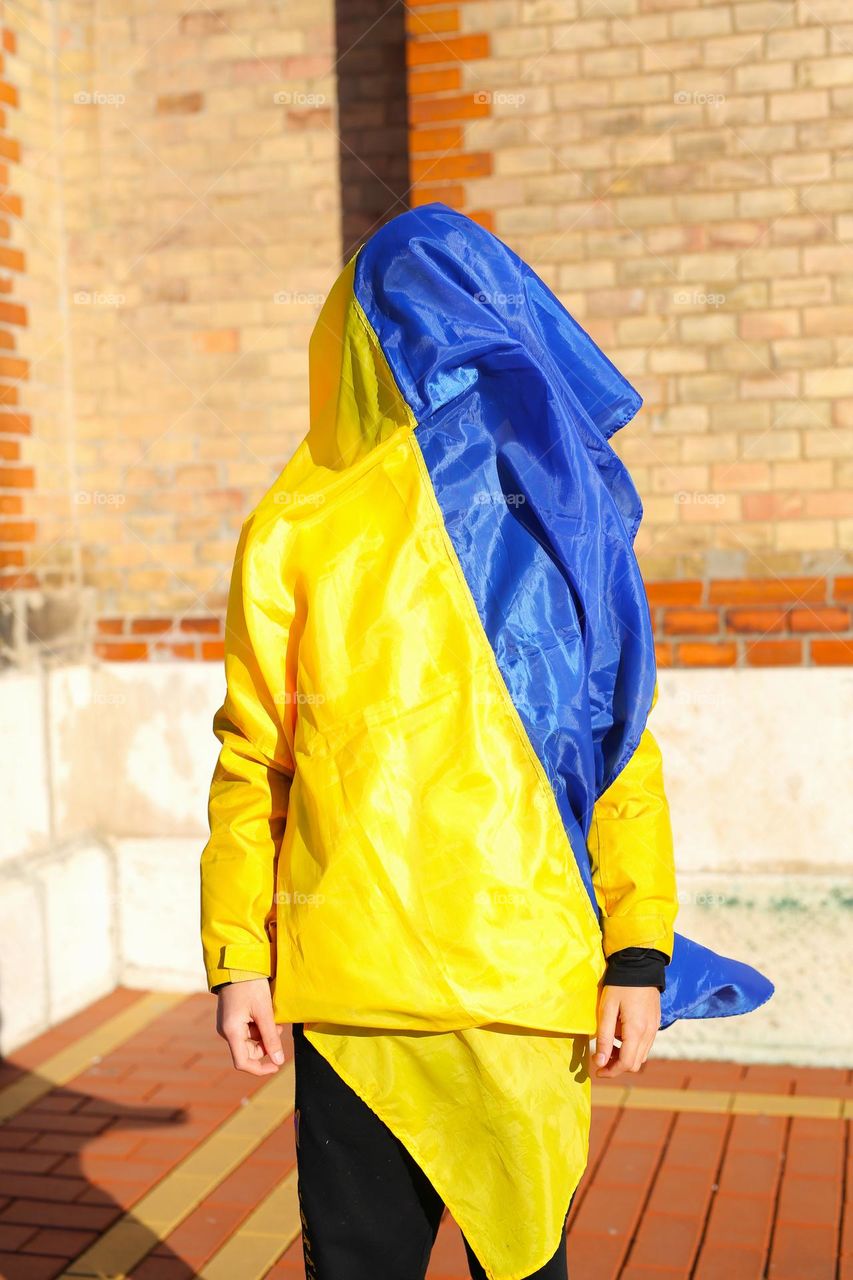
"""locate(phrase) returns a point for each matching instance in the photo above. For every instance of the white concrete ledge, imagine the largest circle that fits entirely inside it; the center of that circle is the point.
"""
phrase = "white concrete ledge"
(104, 773)
(796, 930)
(58, 947)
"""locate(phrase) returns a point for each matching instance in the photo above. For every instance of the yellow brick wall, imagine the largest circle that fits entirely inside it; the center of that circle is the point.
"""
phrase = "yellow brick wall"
(215, 218)
(195, 159)
(174, 212)
(681, 175)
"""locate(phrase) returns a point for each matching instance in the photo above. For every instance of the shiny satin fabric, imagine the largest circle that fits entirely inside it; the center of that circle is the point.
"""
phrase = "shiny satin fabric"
(437, 804)
(498, 1117)
(421, 833)
(515, 407)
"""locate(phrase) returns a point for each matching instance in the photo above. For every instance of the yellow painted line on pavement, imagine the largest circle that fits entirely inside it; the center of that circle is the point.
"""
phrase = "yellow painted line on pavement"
(153, 1217)
(723, 1102)
(260, 1241)
(709, 1100)
(793, 1104)
(77, 1057)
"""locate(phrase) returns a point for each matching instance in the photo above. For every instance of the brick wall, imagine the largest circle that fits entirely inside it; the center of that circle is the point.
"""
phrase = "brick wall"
(42, 599)
(178, 198)
(212, 238)
(680, 175)
(16, 525)
(194, 153)
(753, 622)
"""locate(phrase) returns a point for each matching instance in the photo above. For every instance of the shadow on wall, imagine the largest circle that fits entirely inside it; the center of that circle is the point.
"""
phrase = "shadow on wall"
(373, 135)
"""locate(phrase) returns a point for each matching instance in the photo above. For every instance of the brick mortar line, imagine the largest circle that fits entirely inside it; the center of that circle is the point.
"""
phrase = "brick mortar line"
(844, 1216)
(770, 1238)
(640, 1216)
(709, 1207)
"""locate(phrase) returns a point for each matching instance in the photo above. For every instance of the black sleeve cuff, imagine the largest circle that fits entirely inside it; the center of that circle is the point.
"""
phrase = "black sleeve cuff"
(637, 967)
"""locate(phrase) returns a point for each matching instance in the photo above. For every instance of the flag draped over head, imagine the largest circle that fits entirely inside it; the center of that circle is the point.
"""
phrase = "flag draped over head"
(440, 666)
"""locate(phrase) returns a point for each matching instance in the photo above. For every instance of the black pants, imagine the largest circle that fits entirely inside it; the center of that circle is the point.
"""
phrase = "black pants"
(368, 1211)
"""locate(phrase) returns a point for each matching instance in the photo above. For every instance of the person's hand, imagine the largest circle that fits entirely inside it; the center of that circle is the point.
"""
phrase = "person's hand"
(244, 1019)
(632, 1016)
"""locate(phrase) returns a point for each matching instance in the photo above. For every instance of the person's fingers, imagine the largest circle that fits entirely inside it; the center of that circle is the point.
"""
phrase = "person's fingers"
(631, 1051)
(648, 1040)
(255, 1046)
(632, 1036)
(652, 1027)
(611, 1067)
(247, 1052)
(608, 1012)
(622, 1059)
(637, 1044)
(245, 1021)
(270, 1037)
(233, 1031)
(637, 1019)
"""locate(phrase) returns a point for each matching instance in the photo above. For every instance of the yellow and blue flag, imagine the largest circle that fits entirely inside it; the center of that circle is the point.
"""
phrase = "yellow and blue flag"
(438, 806)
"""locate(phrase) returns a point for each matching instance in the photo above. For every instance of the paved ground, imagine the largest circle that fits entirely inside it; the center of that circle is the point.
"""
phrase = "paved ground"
(131, 1149)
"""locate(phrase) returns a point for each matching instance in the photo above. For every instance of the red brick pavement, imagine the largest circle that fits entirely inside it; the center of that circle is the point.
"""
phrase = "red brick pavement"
(668, 1195)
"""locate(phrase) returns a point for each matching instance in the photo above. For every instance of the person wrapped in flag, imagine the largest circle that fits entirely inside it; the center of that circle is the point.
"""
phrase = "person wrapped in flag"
(440, 844)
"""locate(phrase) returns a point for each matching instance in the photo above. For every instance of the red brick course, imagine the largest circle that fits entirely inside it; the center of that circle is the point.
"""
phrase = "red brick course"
(758, 623)
(753, 622)
(17, 534)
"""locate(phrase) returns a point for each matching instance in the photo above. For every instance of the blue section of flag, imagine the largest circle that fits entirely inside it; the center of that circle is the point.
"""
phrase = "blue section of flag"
(515, 406)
